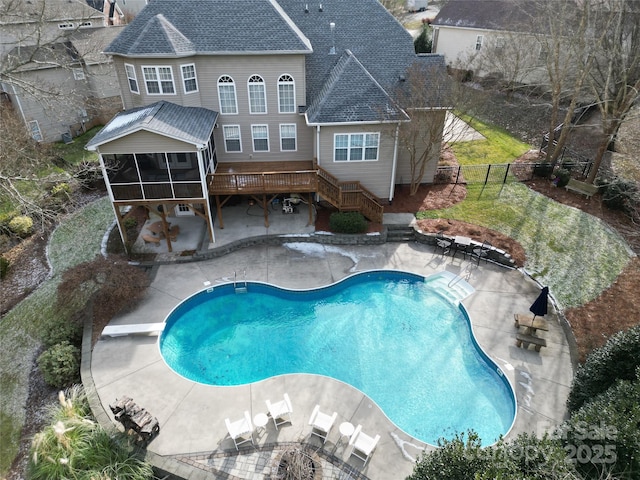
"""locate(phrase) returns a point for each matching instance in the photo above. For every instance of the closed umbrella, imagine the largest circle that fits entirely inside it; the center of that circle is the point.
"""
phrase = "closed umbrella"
(539, 307)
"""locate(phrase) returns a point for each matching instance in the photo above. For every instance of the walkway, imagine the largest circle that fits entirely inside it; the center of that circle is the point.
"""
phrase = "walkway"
(193, 440)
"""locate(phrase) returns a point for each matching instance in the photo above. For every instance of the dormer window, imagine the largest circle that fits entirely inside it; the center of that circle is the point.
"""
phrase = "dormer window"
(257, 95)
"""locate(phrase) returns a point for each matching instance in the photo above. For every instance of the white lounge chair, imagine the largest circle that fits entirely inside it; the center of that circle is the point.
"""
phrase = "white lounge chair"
(240, 431)
(134, 329)
(321, 423)
(363, 445)
(280, 411)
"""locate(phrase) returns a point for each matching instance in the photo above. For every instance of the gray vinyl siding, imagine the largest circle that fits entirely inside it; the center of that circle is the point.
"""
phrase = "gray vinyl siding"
(146, 142)
(375, 176)
(403, 175)
(239, 67)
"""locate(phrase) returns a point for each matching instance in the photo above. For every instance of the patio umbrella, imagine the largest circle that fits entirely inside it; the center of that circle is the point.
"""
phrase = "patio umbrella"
(539, 307)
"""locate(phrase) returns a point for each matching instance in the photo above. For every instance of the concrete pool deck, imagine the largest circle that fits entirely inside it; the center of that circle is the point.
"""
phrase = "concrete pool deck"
(193, 441)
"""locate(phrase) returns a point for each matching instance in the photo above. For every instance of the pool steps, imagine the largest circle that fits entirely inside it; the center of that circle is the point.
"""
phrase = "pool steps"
(243, 288)
(449, 285)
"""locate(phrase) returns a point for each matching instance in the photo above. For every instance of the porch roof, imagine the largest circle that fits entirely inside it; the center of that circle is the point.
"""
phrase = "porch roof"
(188, 124)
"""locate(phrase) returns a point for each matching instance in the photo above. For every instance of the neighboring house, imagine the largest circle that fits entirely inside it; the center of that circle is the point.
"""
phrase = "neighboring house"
(260, 98)
(53, 72)
(491, 38)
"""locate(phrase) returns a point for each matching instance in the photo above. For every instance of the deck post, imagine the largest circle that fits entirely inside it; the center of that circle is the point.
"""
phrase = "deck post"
(265, 207)
(310, 204)
(219, 210)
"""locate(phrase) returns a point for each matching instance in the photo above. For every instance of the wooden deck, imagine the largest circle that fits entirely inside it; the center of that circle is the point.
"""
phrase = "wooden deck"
(263, 179)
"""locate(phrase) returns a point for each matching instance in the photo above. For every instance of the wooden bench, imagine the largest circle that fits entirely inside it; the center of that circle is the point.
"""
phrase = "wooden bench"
(524, 340)
(528, 321)
(581, 187)
(134, 329)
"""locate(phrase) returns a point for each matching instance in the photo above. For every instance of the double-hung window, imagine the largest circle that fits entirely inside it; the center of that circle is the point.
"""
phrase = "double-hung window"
(159, 80)
(479, 40)
(356, 147)
(189, 78)
(78, 74)
(34, 130)
(232, 138)
(286, 94)
(131, 77)
(260, 135)
(257, 95)
(227, 95)
(288, 137)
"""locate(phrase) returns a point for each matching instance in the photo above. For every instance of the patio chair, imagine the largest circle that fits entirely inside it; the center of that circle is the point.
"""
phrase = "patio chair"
(443, 243)
(240, 431)
(280, 411)
(363, 445)
(482, 251)
(321, 423)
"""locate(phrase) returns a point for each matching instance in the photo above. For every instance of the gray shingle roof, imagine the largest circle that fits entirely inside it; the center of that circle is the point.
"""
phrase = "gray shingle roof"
(351, 84)
(210, 27)
(189, 124)
(511, 15)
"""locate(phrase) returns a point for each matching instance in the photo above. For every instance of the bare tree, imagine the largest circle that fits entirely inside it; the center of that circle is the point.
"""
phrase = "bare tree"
(615, 78)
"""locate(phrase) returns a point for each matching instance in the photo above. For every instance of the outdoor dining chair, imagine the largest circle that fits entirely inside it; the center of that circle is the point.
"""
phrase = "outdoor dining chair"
(240, 431)
(321, 423)
(280, 411)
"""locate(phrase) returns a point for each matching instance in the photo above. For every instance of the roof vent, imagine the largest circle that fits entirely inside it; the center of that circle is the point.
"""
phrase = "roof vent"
(320, 8)
(332, 50)
(402, 78)
(306, 8)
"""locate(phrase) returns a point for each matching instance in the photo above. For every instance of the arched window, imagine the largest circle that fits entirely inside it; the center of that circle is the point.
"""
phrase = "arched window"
(257, 95)
(286, 94)
(227, 95)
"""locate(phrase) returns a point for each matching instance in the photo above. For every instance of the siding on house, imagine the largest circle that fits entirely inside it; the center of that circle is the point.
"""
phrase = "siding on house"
(139, 142)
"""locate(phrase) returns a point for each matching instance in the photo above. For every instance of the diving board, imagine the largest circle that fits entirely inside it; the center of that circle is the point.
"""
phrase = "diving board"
(133, 329)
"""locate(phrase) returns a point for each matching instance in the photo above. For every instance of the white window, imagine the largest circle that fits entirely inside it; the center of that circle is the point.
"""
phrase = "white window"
(356, 147)
(479, 40)
(286, 94)
(500, 42)
(78, 74)
(257, 95)
(189, 78)
(34, 130)
(260, 135)
(159, 80)
(232, 138)
(227, 95)
(131, 76)
(65, 26)
(288, 137)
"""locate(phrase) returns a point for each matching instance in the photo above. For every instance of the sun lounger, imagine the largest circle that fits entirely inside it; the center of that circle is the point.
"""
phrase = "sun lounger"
(134, 329)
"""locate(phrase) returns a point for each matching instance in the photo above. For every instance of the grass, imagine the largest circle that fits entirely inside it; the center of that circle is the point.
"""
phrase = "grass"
(575, 254)
(74, 153)
(77, 240)
(498, 147)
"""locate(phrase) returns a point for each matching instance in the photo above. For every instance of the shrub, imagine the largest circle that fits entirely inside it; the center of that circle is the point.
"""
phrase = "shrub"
(21, 225)
(130, 223)
(4, 266)
(617, 359)
(543, 170)
(75, 446)
(603, 436)
(347, 222)
(563, 176)
(61, 190)
(60, 365)
(60, 328)
(620, 195)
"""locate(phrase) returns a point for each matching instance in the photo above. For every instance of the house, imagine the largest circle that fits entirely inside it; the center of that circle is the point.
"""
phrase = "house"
(53, 72)
(262, 98)
(492, 38)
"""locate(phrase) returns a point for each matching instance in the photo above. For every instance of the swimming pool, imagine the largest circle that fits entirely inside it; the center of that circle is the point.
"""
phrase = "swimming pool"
(386, 333)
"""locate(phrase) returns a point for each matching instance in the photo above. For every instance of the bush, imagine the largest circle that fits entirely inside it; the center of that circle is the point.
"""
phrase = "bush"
(603, 436)
(60, 365)
(21, 225)
(347, 222)
(59, 328)
(563, 176)
(4, 267)
(543, 170)
(61, 190)
(620, 195)
(616, 359)
(130, 223)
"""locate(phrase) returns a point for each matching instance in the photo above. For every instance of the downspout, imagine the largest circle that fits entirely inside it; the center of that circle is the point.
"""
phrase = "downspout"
(318, 144)
(15, 94)
(395, 163)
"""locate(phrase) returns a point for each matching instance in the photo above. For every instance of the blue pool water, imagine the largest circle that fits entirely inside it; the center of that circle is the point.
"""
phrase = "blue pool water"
(387, 333)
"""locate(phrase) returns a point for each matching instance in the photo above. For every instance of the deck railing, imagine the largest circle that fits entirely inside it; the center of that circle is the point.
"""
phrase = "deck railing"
(345, 196)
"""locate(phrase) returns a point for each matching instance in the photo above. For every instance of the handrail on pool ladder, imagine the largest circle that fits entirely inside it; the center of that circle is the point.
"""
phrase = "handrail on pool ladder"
(235, 278)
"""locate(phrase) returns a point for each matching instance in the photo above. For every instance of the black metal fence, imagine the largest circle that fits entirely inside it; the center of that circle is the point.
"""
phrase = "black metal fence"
(507, 172)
